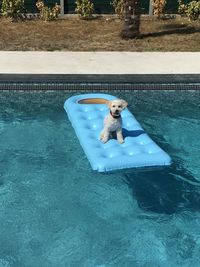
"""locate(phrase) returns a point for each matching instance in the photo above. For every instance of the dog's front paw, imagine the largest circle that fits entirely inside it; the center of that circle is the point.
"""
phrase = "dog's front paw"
(104, 140)
(121, 141)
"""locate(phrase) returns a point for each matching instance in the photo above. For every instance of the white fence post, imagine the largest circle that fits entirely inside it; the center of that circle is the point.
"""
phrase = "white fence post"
(62, 7)
(150, 8)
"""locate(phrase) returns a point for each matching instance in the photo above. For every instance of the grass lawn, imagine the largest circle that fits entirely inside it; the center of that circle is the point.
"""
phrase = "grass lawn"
(99, 34)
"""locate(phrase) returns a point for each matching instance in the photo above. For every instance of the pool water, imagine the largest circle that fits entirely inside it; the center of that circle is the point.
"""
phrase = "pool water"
(56, 212)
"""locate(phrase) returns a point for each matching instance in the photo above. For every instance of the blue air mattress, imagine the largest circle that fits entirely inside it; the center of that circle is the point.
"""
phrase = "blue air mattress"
(138, 150)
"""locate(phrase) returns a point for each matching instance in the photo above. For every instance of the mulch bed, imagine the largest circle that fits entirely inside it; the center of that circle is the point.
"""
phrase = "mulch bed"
(101, 34)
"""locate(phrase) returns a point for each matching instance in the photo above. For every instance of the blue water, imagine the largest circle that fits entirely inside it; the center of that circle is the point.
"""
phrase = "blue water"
(56, 212)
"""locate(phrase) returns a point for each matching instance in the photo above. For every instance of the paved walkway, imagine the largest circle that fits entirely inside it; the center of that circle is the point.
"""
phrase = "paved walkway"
(99, 63)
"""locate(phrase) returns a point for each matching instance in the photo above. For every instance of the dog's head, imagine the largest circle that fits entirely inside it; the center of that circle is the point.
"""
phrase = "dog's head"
(116, 106)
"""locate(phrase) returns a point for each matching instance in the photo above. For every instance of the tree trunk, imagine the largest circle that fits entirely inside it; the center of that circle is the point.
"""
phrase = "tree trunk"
(131, 28)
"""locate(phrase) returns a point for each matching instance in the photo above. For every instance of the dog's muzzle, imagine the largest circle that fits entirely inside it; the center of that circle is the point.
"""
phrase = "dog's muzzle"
(115, 115)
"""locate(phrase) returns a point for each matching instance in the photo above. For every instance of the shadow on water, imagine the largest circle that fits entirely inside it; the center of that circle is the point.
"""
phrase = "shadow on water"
(1, 180)
(169, 190)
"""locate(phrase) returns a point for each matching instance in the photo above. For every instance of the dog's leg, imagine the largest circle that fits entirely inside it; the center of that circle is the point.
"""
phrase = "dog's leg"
(105, 136)
(120, 138)
(101, 135)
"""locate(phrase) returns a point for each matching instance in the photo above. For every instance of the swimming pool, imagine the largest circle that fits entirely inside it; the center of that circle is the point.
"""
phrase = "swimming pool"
(54, 211)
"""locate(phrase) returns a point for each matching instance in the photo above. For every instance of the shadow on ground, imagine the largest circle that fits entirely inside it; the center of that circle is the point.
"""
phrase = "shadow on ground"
(172, 29)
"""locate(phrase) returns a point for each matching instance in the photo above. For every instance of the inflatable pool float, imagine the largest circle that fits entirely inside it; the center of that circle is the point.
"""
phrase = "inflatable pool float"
(138, 150)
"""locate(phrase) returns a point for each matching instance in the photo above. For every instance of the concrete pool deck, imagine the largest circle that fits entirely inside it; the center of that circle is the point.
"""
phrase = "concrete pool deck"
(99, 63)
(100, 68)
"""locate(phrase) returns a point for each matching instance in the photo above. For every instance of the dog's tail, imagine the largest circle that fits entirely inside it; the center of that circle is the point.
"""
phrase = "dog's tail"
(93, 101)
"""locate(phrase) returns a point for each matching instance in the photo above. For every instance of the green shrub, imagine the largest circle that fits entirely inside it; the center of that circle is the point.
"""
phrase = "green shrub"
(84, 8)
(191, 10)
(47, 13)
(13, 9)
(118, 6)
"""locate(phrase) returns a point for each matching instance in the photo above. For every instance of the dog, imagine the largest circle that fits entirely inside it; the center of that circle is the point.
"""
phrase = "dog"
(113, 121)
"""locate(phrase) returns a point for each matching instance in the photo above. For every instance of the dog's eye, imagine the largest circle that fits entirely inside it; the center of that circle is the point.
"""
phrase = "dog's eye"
(113, 106)
(119, 106)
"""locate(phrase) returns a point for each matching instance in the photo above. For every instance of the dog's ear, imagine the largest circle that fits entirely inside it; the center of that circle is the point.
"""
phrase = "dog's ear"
(124, 104)
(109, 103)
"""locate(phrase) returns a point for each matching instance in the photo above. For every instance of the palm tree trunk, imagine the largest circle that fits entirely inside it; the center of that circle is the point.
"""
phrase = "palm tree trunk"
(131, 28)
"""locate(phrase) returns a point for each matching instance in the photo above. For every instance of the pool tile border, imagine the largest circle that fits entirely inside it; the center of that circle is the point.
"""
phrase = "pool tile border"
(99, 82)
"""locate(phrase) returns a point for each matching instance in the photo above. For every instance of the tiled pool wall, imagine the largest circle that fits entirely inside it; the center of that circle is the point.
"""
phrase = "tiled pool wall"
(100, 87)
(102, 82)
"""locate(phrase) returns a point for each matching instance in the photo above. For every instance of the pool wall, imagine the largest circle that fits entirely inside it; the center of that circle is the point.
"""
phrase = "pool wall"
(93, 82)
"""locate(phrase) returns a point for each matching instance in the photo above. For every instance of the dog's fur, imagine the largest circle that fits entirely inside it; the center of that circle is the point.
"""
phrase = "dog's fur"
(113, 121)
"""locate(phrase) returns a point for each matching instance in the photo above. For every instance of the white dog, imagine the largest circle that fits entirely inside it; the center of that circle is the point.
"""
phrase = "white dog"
(113, 121)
